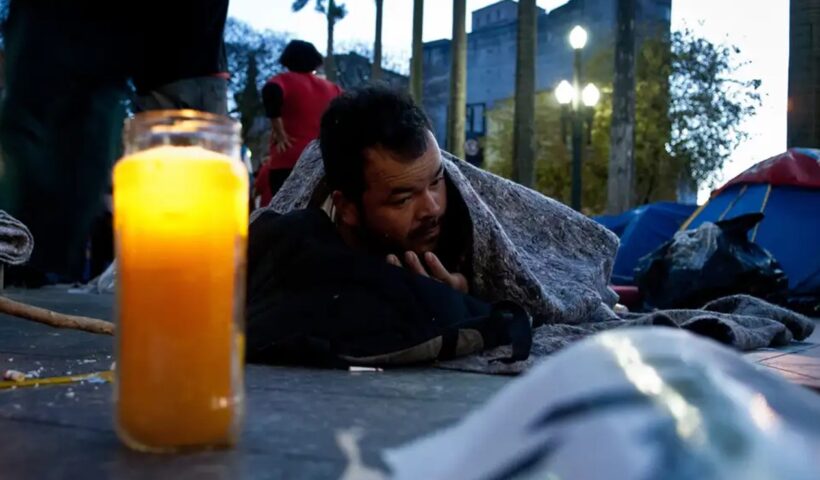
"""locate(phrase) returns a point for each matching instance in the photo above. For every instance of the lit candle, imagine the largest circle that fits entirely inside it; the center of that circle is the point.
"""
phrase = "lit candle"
(181, 220)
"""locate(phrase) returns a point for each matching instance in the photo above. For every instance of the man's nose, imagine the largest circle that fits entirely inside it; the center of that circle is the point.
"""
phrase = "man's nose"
(429, 205)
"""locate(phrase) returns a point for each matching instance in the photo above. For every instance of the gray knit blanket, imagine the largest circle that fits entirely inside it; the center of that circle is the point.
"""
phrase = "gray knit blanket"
(557, 263)
(16, 242)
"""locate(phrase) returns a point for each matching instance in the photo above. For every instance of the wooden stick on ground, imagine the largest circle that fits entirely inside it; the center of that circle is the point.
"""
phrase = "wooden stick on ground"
(55, 319)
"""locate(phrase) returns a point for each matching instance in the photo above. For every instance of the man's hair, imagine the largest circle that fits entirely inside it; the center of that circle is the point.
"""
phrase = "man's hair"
(300, 56)
(372, 116)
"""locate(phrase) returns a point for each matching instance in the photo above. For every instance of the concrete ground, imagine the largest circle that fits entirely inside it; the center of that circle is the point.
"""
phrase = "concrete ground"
(293, 414)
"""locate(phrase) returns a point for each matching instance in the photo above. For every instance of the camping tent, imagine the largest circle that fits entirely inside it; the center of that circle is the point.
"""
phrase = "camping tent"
(786, 188)
(641, 231)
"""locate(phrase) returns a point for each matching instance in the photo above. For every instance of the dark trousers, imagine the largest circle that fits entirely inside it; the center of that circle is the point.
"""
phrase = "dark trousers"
(60, 122)
(208, 94)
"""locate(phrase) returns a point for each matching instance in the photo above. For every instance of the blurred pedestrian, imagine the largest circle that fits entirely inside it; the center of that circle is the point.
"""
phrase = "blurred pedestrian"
(294, 101)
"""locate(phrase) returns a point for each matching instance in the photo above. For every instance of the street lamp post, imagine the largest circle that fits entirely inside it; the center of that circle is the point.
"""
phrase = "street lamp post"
(566, 94)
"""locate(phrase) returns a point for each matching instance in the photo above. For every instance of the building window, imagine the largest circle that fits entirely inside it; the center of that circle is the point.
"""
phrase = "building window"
(475, 123)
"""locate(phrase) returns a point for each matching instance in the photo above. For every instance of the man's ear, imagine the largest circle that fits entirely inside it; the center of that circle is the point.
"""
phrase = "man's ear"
(347, 212)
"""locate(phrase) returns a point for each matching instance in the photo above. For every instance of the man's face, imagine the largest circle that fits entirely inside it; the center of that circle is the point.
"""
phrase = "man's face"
(404, 201)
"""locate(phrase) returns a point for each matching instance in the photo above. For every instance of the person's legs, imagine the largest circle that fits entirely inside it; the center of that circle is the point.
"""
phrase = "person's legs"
(207, 94)
(60, 124)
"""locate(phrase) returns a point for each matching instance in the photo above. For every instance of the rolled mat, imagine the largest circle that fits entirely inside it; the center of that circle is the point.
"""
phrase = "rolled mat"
(16, 241)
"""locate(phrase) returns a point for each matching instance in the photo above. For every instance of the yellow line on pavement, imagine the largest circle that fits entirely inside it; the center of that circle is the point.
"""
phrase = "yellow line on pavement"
(106, 375)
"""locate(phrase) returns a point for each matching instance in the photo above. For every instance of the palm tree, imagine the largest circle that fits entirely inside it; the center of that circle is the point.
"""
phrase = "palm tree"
(622, 135)
(524, 122)
(376, 72)
(417, 63)
(334, 12)
(458, 81)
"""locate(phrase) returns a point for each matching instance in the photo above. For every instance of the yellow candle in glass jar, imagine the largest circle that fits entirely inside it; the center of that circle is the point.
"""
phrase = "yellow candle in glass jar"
(181, 222)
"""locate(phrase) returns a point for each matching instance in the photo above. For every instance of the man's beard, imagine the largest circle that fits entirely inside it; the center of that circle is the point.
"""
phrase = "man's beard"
(384, 245)
(423, 231)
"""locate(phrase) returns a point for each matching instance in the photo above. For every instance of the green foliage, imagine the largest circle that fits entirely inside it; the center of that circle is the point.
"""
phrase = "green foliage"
(243, 43)
(253, 57)
(552, 162)
(707, 105)
(687, 135)
(248, 101)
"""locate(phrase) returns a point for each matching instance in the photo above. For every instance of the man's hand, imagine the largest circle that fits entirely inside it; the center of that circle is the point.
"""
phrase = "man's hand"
(456, 281)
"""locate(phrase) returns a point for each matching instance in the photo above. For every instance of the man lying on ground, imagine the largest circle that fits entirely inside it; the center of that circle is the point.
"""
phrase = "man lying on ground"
(382, 249)
(394, 238)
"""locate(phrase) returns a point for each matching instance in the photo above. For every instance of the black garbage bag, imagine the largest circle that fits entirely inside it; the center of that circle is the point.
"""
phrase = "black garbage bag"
(715, 260)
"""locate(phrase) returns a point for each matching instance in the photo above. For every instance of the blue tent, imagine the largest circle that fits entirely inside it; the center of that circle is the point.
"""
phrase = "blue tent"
(641, 231)
(790, 229)
(786, 188)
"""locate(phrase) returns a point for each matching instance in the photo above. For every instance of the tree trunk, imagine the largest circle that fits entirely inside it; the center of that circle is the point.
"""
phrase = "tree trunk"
(330, 65)
(376, 72)
(248, 102)
(417, 63)
(458, 81)
(620, 183)
(524, 123)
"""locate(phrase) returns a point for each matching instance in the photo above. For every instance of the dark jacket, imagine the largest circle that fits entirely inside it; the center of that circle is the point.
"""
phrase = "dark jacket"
(312, 300)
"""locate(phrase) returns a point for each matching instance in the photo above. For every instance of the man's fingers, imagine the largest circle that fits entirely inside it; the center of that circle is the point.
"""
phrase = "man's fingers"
(436, 268)
(393, 260)
(414, 264)
(455, 280)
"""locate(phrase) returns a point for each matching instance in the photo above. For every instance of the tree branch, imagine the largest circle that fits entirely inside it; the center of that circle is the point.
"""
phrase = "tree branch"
(54, 319)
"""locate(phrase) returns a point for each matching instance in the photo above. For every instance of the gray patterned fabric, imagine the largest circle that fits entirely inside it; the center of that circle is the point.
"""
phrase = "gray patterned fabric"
(744, 322)
(556, 263)
(526, 247)
(16, 242)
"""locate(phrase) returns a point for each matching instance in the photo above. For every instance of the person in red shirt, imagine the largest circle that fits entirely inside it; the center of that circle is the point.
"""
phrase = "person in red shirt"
(294, 101)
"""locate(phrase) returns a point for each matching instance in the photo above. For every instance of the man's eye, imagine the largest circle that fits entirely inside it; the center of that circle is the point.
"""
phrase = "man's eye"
(401, 201)
(436, 181)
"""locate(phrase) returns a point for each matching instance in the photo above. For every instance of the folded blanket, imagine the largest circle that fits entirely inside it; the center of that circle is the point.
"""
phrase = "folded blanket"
(527, 248)
(16, 242)
(742, 321)
(557, 263)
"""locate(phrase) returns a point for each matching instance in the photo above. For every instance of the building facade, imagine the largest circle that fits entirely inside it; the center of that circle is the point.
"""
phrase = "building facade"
(353, 70)
(491, 53)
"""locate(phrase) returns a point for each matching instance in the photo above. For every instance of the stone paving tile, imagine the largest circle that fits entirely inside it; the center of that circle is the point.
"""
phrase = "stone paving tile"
(758, 356)
(806, 363)
(794, 377)
(799, 362)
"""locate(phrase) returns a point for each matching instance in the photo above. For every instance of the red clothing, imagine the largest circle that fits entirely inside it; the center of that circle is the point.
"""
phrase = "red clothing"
(305, 98)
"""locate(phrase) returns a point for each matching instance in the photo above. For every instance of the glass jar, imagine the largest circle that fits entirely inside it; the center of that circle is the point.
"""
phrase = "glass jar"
(180, 225)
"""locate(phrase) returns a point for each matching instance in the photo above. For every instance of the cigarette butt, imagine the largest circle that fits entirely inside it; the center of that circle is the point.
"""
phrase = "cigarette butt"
(365, 369)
